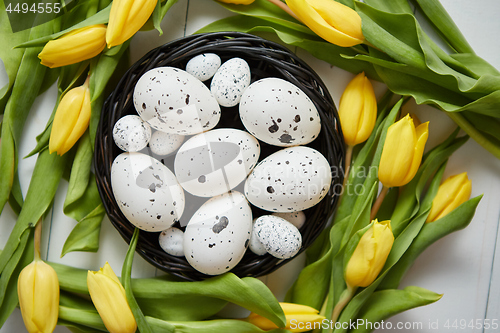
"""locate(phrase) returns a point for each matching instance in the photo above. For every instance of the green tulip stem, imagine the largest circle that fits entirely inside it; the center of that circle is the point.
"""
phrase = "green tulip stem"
(378, 202)
(348, 158)
(344, 299)
(38, 237)
(285, 8)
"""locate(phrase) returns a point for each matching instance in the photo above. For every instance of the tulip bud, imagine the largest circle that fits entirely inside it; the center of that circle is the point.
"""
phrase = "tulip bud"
(329, 19)
(108, 296)
(78, 45)
(38, 292)
(299, 318)
(453, 192)
(71, 119)
(126, 18)
(402, 152)
(358, 110)
(370, 255)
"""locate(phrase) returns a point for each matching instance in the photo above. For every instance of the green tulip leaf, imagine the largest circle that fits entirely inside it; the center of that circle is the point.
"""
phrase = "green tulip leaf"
(457, 219)
(387, 303)
(394, 6)
(87, 318)
(208, 326)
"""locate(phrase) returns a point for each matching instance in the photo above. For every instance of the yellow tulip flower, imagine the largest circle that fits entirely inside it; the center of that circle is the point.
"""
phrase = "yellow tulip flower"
(370, 255)
(358, 110)
(453, 192)
(38, 291)
(108, 296)
(126, 18)
(71, 48)
(402, 152)
(71, 119)
(299, 318)
(329, 19)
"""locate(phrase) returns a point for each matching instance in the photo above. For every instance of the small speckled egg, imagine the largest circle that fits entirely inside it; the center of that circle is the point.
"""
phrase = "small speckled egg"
(296, 218)
(131, 133)
(289, 180)
(146, 191)
(218, 234)
(279, 113)
(255, 245)
(230, 81)
(163, 144)
(173, 101)
(171, 241)
(216, 161)
(203, 66)
(280, 238)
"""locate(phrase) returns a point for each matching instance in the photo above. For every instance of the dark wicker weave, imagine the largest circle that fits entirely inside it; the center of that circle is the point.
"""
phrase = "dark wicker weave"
(266, 59)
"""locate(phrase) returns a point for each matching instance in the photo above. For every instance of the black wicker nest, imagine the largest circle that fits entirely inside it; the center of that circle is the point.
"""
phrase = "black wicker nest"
(266, 59)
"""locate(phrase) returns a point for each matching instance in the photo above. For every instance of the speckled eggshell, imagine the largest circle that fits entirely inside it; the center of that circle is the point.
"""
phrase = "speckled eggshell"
(230, 81)
(289, 180)
(131, 133)
(280, 238)
(203, 66)
(255, 245)
(296, 218)
(164, 144)
(173, 101)
(218, 234)
(146, 191)
(279, 113)
(171, 241)
(216, 161)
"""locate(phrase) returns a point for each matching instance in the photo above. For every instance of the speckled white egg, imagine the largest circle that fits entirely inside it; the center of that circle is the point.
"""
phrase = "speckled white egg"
(255, 244)
(164, 144)
(218, 234)
(280, 238)
(291, 179)
(146, 191)
(131, 133)
(203, 66)
(279, 113)
(171, 241)
(216, 161)
(296, 218)
(173, 101)
(230, 81)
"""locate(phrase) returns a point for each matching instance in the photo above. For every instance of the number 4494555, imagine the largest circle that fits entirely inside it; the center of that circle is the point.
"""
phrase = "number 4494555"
(34, 8)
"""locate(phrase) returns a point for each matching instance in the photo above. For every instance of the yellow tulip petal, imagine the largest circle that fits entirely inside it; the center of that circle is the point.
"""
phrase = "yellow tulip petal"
(310, 17)
(126, 18)
(80, 126)
(422, 133)
(369, 114)
(451, 193)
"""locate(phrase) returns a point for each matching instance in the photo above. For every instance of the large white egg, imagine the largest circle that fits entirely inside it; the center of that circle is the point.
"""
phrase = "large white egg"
(216, 161)
(173, 101)
(230, 81)
(218, 234)
(146, 191)
(291, 179)
(279, 113)
(279, 237)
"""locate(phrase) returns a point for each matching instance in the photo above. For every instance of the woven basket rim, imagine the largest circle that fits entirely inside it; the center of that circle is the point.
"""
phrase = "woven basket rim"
(266, 56)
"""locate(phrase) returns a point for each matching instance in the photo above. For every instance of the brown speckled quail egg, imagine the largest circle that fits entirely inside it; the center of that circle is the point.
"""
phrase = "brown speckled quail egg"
(289, 180)
(163, 144)
(203, 66)
(280, 238)
(131, 133)
(171, 241)
(216, 161)
(255, 245)
(296, 218)
(279, 113)
(230, 81)
(218, 234)
(173, 101)
(146, 191)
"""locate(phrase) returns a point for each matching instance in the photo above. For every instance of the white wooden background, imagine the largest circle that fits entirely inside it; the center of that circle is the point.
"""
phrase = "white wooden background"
(464, 266)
